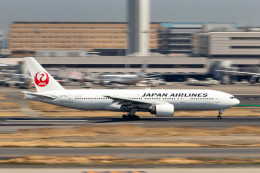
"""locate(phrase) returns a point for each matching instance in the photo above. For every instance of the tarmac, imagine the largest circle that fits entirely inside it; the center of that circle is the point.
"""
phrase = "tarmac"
(10, 125)
(212, 152)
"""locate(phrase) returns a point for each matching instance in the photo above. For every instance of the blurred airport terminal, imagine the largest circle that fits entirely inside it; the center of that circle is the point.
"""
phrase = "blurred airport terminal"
(176, 52)
(150, 53)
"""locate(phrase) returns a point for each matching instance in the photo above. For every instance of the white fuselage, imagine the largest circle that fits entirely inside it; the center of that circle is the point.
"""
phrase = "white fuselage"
(96, 99)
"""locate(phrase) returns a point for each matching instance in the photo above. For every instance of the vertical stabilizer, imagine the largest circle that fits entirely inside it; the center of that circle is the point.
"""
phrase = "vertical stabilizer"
(142, 72)
(43, 81)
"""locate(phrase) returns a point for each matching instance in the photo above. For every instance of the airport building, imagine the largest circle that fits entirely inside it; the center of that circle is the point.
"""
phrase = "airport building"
(177, 37)
(227, 44)
(105, 38)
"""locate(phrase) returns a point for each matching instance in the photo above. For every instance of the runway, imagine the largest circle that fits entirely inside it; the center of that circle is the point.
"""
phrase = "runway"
(135, 152)
(12, 124)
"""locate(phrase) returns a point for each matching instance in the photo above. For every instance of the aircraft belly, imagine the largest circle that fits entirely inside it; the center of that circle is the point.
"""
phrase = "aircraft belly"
(96, 105)
(198, 106)
(90, 105)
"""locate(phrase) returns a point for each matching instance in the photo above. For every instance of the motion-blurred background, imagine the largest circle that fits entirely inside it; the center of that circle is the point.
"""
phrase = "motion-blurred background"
(168, 44)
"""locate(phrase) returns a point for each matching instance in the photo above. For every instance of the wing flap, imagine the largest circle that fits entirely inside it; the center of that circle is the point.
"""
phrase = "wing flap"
(125, 101)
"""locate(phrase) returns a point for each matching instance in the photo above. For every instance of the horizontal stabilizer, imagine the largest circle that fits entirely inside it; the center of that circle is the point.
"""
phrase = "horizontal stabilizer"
(39, 95)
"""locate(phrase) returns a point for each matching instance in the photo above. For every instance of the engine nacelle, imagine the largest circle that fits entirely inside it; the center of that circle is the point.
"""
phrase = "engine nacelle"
(163, 110)
(106, 82)
(254, 79)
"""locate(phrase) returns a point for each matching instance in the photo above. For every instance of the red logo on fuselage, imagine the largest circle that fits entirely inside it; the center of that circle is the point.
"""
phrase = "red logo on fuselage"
(41, 79)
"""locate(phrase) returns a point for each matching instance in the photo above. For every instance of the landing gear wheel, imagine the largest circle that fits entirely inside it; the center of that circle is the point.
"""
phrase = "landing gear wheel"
(219, 116)
(130, 117)
(136, 117)
(220, 112)
(124, 117)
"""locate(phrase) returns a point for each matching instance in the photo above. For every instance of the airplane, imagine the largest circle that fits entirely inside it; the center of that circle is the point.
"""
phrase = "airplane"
(125, 78)
(3, 65)
(15, 75)
(255, 76)
(162, 102)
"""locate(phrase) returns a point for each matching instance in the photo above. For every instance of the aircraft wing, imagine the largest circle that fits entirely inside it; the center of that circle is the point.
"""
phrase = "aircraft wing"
(124, 101)
(39, 95)
(238, 72)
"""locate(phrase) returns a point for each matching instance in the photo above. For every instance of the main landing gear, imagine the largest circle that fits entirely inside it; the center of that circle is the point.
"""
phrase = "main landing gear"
(131, 115)
(220, 112)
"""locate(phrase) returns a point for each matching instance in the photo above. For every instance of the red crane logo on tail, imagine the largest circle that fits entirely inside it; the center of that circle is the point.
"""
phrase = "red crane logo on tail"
(41, 79)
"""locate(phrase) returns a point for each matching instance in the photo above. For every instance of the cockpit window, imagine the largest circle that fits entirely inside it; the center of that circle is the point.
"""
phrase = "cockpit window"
(232, 97)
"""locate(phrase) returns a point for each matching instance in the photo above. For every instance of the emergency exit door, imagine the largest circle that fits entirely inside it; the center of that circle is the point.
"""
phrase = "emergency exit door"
(217, 98)
(70, 99)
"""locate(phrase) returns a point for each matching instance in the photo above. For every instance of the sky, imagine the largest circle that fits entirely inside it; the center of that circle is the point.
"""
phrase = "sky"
(243, 12)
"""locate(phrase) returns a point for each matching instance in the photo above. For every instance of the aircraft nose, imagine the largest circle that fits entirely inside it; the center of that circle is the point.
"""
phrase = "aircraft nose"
(237, 102)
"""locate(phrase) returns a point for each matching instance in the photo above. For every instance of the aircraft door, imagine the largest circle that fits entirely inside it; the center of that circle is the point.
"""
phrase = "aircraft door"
(217, 98)
(70, 99)
(182, 103)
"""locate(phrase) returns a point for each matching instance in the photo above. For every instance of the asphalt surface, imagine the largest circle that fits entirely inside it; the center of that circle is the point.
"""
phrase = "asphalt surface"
(12, 124)
(135, 152)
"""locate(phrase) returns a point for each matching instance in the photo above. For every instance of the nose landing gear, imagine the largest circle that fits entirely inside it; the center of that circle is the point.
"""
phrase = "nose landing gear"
(131, 115)
(219, 116)
(219, 113)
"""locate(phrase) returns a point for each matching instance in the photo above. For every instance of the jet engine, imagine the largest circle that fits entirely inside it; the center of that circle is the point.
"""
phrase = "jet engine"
(254, 79)
(106, 82)
(163, 110)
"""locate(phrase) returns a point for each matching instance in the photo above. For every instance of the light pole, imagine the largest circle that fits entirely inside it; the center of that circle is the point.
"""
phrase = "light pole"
(37, 31)
(127, 52)
(3, 40)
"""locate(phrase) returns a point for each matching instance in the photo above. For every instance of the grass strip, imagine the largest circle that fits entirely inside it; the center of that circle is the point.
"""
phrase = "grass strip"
(12, 114)
(8, 105)
(244, 105)
(2, 97)
(62, 144)
(129, 131)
